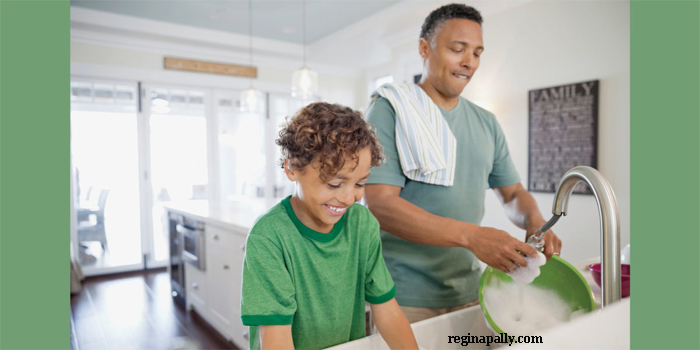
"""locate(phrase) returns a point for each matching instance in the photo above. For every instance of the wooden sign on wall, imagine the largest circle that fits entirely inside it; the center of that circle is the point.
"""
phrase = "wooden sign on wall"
(210, 67)
(563, 133)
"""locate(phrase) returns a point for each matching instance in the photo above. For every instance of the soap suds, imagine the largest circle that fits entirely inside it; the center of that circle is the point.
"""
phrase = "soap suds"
(525, 309)
(527, 274)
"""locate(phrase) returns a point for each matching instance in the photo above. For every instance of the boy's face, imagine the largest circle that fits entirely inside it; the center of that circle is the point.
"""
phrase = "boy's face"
(318, 204)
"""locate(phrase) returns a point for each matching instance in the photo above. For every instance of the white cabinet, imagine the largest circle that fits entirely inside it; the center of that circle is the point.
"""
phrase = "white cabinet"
(196, 282)
(239, 331)
(216, 292)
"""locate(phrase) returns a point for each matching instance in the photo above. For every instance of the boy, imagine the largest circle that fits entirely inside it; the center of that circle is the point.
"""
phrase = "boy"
(315, 258)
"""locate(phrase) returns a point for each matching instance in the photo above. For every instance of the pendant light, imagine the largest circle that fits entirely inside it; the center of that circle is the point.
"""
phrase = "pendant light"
(251, 98)
(304, 80)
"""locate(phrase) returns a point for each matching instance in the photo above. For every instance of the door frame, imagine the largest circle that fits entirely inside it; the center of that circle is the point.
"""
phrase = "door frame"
(75, 244)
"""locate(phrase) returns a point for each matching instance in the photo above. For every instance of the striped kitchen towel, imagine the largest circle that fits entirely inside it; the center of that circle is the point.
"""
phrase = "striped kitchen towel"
(427, 148)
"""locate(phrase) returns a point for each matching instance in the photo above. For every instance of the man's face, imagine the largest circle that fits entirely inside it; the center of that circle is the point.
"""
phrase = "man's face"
(452, 56)
(321, 204)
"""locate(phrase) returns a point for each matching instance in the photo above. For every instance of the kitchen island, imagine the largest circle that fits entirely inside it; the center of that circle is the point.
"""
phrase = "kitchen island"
(213, 284)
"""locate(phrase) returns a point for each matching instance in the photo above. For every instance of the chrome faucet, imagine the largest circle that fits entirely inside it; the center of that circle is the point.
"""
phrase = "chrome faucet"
(609, 225)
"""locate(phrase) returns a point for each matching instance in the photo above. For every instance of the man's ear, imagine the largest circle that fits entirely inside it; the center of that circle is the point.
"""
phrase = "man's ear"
(423, 48)
(288, 170)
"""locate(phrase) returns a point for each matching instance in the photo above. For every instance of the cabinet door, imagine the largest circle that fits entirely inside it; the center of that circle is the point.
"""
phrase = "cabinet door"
(220, 270)
(196, 281)
(240, 332)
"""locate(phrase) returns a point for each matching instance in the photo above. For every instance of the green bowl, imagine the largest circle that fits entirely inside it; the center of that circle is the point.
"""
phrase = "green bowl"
(557, 275)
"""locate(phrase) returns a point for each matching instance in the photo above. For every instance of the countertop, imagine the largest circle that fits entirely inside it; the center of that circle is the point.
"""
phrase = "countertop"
(237, 215)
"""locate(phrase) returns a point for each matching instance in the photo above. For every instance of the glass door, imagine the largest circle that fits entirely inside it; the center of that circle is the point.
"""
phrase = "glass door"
(177, 142)
(241, 144)
(106, 192)
(132, 154)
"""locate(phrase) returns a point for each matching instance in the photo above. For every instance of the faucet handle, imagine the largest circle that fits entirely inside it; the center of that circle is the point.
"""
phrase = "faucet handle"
(536, 241)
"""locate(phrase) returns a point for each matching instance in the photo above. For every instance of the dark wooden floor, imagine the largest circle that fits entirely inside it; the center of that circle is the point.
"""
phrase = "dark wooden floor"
(135, 311)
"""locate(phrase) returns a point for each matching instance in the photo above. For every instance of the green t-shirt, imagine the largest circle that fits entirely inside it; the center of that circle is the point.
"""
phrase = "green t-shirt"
(430, 276)
(317, 282)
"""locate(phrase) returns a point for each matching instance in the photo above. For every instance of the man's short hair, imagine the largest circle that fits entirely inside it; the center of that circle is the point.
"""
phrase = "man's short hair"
(438, 17)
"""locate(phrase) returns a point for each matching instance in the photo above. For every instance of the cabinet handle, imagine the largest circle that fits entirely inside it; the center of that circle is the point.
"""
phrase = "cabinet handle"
(225, 267)
(245, 335)
(243, 247)
(195, 285)
(216, 237)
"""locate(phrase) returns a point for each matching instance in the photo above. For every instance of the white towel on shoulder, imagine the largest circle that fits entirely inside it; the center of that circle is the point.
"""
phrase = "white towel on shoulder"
(427, 148)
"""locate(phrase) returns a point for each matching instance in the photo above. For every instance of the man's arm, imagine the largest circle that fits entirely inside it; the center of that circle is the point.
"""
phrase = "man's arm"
(401, 218)
(522, 211)
(276, 337)
(393, 325)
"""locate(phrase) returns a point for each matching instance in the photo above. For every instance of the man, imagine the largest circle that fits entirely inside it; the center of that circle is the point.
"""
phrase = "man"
(430, 232)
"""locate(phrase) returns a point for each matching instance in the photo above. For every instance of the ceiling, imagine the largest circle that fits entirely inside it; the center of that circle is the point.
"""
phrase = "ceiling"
(272, 19)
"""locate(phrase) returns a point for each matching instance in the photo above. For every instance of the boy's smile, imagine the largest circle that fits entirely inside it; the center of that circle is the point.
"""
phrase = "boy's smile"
(318, 204)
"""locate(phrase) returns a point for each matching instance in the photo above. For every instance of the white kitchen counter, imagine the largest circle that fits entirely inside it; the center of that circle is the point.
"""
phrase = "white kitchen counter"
(232, 215)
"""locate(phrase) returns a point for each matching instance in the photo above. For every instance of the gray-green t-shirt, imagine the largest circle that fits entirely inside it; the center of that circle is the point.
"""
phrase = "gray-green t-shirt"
(317, 282)
(430, 276)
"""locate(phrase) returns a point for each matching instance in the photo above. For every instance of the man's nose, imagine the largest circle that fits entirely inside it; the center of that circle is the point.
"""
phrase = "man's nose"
(468, 61)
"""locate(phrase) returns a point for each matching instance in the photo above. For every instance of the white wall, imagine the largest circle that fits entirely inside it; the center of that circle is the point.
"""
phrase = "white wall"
(549, 43)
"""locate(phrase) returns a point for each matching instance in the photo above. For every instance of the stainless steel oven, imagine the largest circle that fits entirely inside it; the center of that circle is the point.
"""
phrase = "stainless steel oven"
(186, 246)
(193, 247)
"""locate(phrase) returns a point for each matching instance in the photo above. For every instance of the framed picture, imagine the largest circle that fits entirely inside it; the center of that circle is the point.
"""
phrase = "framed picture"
(563, 133)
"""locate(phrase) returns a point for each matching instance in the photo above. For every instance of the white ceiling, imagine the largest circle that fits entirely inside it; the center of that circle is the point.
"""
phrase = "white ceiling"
(345, 36)
(272, 19)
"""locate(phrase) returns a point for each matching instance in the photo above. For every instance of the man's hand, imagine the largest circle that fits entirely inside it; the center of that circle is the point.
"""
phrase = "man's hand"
(403, 219)
(522, 211)
(498, 249)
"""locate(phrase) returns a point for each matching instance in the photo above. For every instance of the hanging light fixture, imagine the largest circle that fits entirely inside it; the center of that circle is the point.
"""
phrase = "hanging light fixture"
(251, 98)
(304, 80)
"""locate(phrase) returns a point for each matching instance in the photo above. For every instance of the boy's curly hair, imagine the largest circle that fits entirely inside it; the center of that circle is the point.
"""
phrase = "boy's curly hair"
(330, 133)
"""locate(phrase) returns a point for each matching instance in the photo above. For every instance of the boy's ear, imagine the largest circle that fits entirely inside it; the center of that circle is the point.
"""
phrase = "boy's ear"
(288, 170)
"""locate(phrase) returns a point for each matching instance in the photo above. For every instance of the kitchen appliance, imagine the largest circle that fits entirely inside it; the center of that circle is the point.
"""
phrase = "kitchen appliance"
(186, 238)
(193, 249)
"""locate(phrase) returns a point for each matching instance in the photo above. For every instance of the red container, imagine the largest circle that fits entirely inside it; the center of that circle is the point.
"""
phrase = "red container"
(595, 271)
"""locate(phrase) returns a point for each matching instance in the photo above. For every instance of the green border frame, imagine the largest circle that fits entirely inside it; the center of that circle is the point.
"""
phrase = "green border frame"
(34, 174)
(34, 161)
(665, 174)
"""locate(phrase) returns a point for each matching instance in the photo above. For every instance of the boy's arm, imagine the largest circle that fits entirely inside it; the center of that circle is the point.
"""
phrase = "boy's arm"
(276, 337)
(393, 325)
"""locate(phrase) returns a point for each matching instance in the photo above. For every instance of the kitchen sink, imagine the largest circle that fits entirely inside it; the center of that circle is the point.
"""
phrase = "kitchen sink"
(433, 333)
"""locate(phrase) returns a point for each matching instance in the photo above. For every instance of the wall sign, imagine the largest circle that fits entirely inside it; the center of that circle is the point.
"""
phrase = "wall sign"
(209, 67)
(563, 133)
